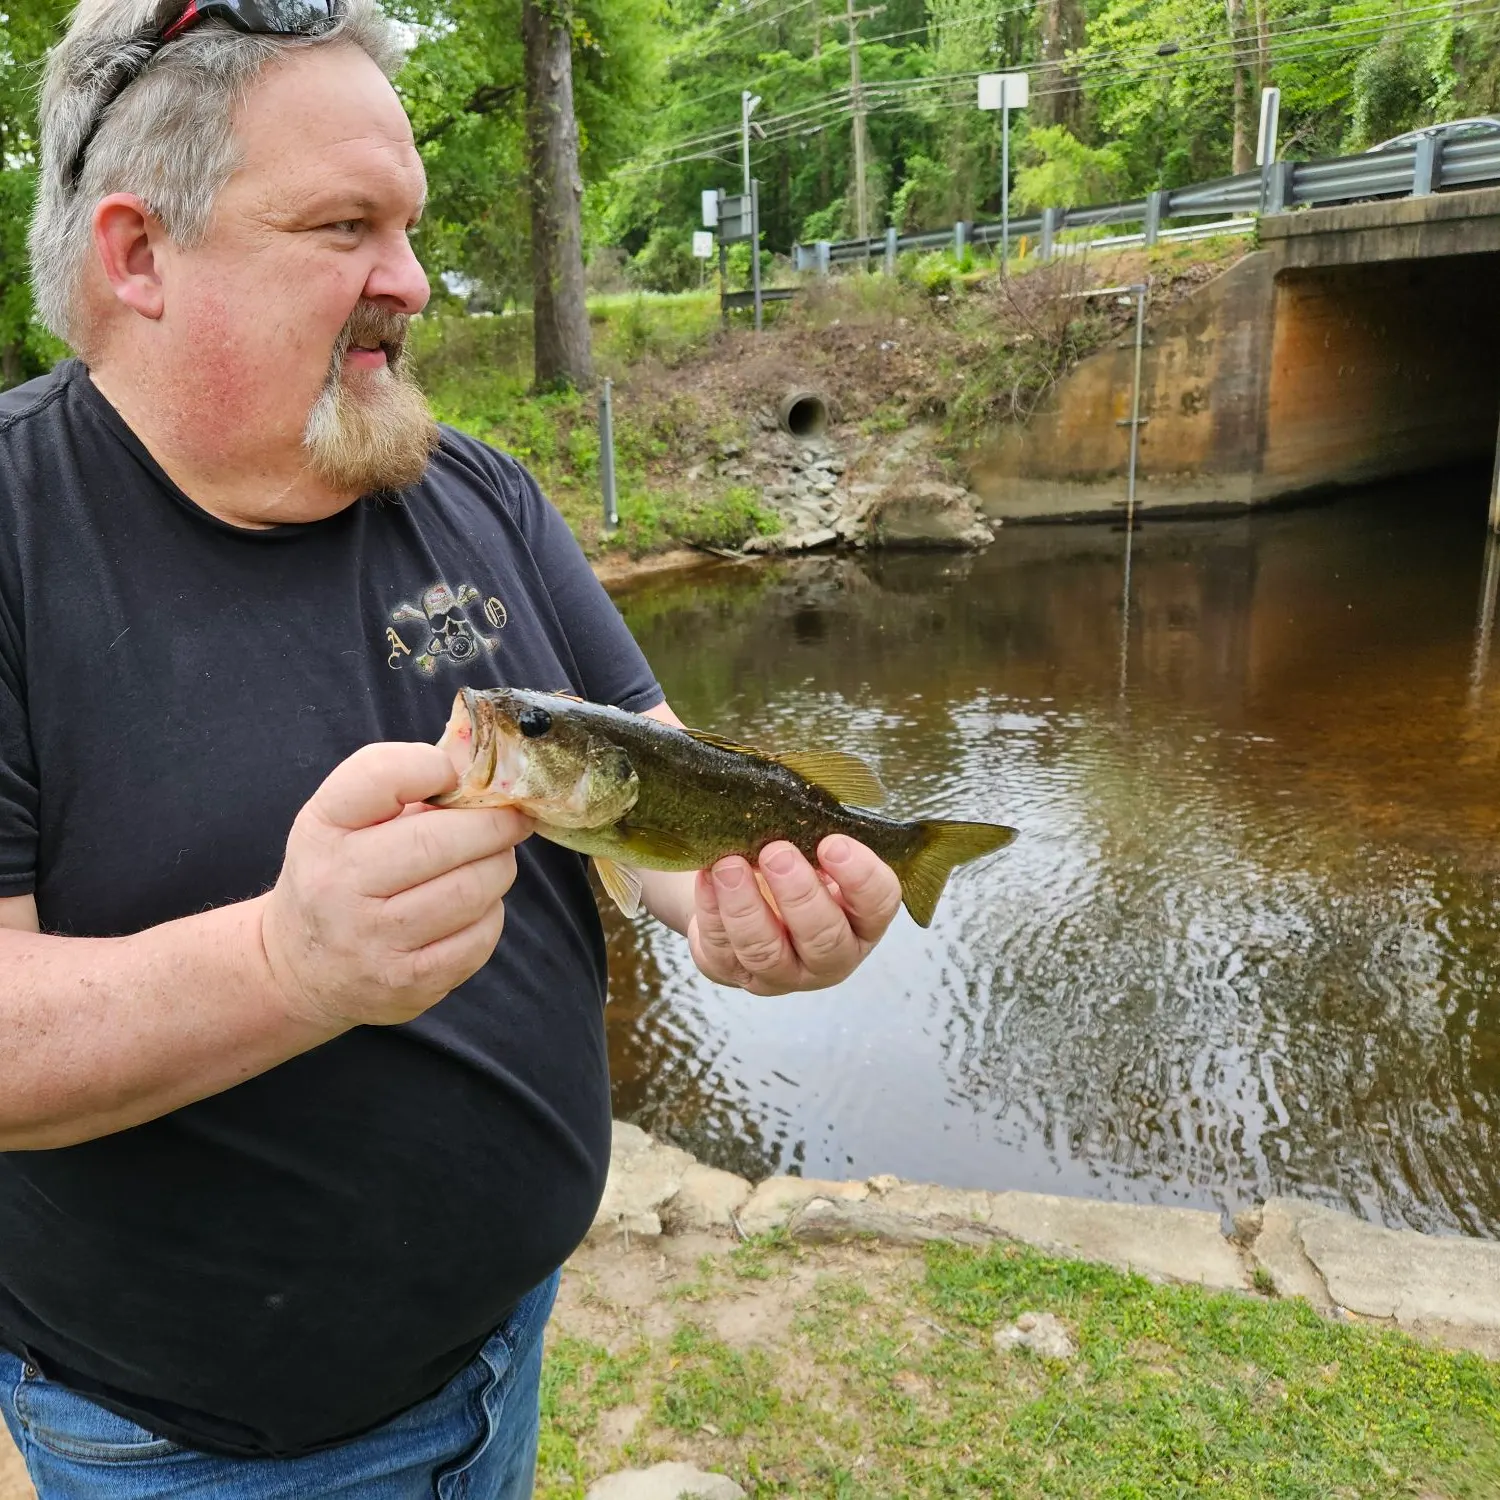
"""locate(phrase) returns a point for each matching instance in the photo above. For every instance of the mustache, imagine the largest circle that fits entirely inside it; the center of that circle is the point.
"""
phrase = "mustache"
(370, 325)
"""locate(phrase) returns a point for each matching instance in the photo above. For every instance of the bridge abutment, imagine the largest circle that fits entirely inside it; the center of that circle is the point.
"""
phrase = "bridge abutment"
(1357, 344)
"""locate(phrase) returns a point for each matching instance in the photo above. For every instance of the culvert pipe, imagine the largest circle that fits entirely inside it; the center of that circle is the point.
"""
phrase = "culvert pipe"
(804, 414)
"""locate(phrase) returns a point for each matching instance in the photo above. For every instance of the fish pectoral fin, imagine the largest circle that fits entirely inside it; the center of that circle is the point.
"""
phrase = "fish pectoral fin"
(657, 848)
(846, 776)
(943, 846)
(621, 884)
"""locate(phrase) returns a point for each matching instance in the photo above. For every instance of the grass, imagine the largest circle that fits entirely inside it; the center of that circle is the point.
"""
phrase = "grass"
(477, 374)
(891, 1388)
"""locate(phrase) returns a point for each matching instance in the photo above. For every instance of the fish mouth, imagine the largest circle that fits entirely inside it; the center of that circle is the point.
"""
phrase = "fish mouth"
(481, 753)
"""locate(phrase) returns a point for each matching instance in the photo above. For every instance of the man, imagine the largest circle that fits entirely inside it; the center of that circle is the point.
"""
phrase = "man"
(304, 1084)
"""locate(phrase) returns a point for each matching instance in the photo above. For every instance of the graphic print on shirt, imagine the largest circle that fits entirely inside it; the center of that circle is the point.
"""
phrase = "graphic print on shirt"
(447, 635)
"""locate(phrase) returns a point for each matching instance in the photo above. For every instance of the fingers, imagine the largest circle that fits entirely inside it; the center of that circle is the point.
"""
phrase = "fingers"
(406, 852)
(788, 925)
(867, 887)
(451, 903)
(375, 783)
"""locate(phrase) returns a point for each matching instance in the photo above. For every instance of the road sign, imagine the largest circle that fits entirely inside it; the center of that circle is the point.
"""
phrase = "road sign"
(711, 198)
(735, 218)
(703, 245)
(1004, 90)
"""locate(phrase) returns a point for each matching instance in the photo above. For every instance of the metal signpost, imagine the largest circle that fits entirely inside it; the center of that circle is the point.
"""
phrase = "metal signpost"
(739, 219)
(1005, 92)
(607, 454)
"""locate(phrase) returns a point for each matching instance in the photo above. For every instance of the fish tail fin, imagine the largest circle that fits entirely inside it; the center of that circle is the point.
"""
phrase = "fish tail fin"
(942, 847)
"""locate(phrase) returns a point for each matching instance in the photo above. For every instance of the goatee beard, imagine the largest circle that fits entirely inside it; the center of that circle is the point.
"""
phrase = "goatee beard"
(375, 433)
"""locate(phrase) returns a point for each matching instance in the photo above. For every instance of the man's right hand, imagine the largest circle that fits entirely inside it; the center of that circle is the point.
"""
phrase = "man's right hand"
(383, 905)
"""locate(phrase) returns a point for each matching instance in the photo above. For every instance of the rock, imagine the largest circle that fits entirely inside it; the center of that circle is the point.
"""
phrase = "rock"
(730, 450)
(828, 1221)
(926, 513)
(772, 1204)
(707, 1199)
(807, 540)
(643, 1175)
(883, 1182)
(1039, 1332)
(665, 1482)
(824, 486)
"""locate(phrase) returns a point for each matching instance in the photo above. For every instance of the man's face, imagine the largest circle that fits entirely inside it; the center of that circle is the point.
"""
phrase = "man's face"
(291, 315)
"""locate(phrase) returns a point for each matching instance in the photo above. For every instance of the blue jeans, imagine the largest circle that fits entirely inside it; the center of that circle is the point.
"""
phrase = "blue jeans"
(475, 1440)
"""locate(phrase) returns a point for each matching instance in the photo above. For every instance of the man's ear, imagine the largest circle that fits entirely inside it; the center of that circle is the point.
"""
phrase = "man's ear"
(128, 238)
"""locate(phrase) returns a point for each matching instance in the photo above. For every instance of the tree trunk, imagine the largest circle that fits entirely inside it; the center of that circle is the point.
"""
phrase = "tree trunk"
(1063, 27)
(559, 307)
(1244, 157)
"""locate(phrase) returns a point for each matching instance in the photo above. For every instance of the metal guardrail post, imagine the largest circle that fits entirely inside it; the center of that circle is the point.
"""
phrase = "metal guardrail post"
(1049, 232)
(890, 250)
(607, 454)
(1424, 169)
(1152, 226)
(820, 257)
(960, 239)
(1276, 187)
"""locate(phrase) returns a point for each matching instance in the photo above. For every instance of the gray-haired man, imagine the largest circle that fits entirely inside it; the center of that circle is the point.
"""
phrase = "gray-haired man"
(292, 1139)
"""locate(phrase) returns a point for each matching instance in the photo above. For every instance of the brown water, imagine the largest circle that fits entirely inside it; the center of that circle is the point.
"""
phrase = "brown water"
(1248, 940)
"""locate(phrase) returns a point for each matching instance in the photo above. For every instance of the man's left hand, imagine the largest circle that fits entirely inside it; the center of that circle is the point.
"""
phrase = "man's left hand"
(824, 921)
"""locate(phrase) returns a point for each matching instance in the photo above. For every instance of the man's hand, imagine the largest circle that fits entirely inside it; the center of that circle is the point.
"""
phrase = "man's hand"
(830, 917)
(384, 906)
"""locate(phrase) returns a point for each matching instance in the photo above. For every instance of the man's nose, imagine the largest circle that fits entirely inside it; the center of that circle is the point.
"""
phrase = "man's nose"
(397, 280)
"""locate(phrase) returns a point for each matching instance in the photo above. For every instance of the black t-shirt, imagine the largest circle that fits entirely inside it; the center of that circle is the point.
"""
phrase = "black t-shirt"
(298, 1259)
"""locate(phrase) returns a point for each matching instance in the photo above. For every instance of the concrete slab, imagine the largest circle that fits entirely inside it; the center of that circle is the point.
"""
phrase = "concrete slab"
(1167, 1244)
(644, 1175)
(1275, 1247)
(707, 1199)
(825, 1221)
(1413, 1279)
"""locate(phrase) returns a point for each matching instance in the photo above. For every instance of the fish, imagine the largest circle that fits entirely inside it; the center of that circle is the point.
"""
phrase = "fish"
(634, 793)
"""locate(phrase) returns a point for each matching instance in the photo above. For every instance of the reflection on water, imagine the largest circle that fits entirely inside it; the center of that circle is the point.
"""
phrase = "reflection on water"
(1247, 940)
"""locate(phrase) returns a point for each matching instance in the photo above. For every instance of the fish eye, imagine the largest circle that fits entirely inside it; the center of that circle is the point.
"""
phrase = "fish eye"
(534, 722)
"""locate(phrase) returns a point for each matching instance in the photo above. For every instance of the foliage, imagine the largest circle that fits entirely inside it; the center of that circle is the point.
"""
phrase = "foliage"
(1059, 171)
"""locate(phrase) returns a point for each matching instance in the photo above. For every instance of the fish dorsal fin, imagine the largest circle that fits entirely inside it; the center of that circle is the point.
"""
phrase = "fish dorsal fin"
(621, 884)
(846, 776)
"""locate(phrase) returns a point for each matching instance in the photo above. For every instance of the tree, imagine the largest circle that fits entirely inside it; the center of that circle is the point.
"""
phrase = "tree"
(27, 27)
(560, 315)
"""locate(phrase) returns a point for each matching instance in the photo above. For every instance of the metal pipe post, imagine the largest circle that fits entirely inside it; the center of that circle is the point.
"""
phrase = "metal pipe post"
(891, 237)
(1135, 401)
(1495, 491)
(1004, 181)
(755, 248)
(607, 454)
(745, 97)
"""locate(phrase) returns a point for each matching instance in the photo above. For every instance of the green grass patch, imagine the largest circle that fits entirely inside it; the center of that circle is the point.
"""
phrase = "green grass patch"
(891, 1387)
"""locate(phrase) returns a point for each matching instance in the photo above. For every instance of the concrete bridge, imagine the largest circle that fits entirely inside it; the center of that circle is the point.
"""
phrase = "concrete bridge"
(1354, 344)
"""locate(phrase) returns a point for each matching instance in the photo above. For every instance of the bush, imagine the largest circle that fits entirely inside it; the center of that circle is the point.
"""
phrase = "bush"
(665, 263)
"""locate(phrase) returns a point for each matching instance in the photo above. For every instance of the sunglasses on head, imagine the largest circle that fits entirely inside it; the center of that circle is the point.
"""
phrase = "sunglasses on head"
(254, 17)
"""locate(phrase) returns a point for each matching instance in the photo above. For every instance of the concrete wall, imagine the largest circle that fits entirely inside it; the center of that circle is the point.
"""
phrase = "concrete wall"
(1359, 344)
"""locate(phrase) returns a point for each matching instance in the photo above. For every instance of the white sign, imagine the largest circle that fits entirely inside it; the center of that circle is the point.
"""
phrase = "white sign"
(710, 207)
(1004, 90)
(1270, 118)
(703, 245)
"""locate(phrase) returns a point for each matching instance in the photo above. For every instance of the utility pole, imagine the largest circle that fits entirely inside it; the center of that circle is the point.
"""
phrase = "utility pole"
(852, 18)
(748, 104)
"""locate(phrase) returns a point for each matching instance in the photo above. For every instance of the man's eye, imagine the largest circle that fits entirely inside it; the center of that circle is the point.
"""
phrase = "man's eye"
(344, 226)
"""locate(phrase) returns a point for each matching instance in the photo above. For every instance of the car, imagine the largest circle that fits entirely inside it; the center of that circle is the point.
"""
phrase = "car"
(1478, 125)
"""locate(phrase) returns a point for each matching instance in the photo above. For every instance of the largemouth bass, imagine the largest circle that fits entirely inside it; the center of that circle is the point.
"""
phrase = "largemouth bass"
(638, 794)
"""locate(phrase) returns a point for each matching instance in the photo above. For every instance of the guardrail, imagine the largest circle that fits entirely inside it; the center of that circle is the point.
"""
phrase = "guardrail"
(1431, 165)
